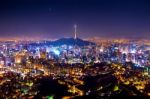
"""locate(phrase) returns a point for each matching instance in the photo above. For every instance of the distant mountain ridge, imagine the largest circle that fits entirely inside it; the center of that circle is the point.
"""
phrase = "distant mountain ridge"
(65, 41)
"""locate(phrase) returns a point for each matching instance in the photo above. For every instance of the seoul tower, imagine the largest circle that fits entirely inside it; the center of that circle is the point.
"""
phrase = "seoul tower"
(75, 31)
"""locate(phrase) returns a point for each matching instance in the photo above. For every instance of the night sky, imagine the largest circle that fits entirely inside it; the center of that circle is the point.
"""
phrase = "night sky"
(55, 18)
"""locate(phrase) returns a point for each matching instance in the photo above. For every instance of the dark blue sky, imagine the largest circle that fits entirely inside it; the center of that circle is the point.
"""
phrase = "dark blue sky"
(55, 18)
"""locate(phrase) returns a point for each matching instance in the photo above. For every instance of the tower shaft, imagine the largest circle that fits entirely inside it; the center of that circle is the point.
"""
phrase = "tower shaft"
(75, 31)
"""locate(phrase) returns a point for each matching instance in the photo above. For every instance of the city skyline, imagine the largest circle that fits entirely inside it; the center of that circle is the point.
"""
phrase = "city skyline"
(74, 49)
(55, 19)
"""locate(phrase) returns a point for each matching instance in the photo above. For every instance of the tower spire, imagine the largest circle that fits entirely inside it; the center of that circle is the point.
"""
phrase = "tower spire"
(75, 31)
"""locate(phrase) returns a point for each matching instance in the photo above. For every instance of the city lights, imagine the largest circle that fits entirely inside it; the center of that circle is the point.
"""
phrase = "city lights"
(74, 49)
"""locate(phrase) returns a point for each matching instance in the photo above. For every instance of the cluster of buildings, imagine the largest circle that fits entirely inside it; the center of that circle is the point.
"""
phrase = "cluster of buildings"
(12, 53)
(71, 65)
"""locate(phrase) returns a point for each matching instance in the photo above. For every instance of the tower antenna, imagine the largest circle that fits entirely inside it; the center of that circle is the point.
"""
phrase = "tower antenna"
(75, 31)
